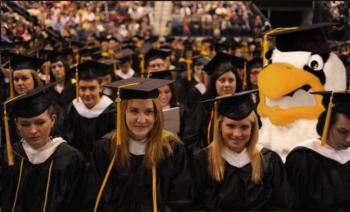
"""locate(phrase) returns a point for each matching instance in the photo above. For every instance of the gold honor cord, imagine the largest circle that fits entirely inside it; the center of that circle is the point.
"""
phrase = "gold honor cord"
(154, 188)
(245, 77)
(47, 186)
(18, 185)
(328, 118)
(105, 179)
(265, 44)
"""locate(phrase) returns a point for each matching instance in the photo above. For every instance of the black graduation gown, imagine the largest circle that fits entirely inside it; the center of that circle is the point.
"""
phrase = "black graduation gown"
(237, 191)
(319, 183)
(67, 170)
(65, 98)
(82, 132)
(131, 189)
(195, 133)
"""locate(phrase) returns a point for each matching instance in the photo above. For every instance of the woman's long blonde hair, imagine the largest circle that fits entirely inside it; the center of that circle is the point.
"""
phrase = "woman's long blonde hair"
(158, 140)
(215, 150)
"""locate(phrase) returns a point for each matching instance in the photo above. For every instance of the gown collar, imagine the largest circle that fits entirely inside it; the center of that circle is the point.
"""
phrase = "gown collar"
(38, 156)
(340, 156)
(94, 112)
(130, 73)
(137, 147)
(238, 160)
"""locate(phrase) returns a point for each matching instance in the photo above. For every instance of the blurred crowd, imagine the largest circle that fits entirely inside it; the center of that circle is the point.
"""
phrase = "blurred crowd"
(217, 19)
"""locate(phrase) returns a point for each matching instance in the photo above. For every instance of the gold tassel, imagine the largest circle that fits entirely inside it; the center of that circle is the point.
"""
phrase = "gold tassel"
(216, 122)
(154, 188)
(188, 65)
(142, 64)
(212, 114)
(265, 44)
(8, 139)
(326, 124)
(77, 83)
(47, 73)
(118, 126)
(12, 88)
(244, 77)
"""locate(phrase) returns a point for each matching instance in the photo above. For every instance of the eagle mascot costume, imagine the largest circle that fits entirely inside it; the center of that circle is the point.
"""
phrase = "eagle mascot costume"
(300, 62)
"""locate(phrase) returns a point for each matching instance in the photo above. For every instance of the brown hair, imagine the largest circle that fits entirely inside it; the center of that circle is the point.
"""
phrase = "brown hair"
(158, 140)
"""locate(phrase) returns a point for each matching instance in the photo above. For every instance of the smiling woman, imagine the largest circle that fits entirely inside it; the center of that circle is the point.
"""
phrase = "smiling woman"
(140, 167)
(234, 172)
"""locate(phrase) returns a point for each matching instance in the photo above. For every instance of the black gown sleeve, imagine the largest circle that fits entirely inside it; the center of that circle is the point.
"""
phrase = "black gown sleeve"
(282, 196)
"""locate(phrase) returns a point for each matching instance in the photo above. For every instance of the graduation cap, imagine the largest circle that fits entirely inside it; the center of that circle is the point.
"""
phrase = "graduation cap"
(165, 74)
(200, 60)
(335, 102)
(25, 62)
(233, 106)
(155, 54)
(215, 64)
(44, 53)
(88, 51)
(55, 56)
(308, 38)
(107, 66)
(254, 63)
(28, 105)
(124, 55)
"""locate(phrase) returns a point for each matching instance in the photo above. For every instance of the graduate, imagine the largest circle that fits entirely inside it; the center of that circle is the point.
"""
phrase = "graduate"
(64, 91)
(106, 76)
(196, 88)
(234, 172)
(91, 114)
(168, 98)
(24, 76)
(125, 64)
(253, 68)
(223, 80)
(140, 167)
(319, 169)
(41, 172)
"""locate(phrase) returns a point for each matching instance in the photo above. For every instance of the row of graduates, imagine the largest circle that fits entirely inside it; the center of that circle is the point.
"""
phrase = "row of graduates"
(89, 120)
(183, 93)
(141, 167)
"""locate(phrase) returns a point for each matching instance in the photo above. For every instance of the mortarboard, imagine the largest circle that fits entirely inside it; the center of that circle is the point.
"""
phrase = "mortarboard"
(165, 74)
(25, 62)
(201, 60)
(124, 55)
(31, 104)
(223, 58)
(107, 66)
(234, 106)
(334, 102)
(154, 54)
(308, 38)
(55, 56)
(254, 63)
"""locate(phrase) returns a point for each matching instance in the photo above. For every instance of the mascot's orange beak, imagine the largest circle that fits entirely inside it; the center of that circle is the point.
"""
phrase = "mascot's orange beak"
(279, 79)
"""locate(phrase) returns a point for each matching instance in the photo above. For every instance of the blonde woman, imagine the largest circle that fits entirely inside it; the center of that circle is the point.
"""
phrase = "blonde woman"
(149, 165)
(233, 172)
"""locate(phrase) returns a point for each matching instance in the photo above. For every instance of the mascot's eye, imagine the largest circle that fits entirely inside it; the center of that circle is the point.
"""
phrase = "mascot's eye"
(316, 62)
